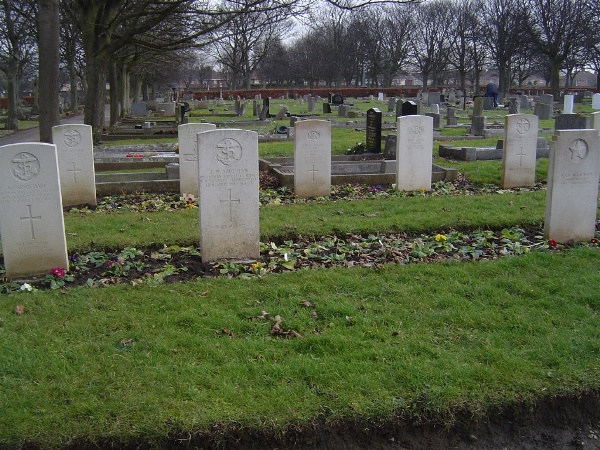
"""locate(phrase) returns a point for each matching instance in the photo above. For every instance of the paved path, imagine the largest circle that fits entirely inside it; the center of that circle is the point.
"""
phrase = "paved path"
(33, 134)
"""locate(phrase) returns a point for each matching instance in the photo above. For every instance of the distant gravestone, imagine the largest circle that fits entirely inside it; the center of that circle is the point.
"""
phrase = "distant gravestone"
(546, 99)
(514, 105)
(31, 215)
(519, 150)
(312, 158)
(543, 111)
(75, 151)
(373, 136)
(281, 113)
(437, 118)
(572, 122)
(572, 193)
(326, 108)
(343, 111)
(139, 109)
(311, 103)
(409, 108)
(451, 120)
(167, 108)
(568, 104)
(228, 194)
(452, 97)
(187, 136)
(596, 101)
(434, 98)
(525, 104)
(337, 99)
(391, 105)
(414, 153)
(488, 103)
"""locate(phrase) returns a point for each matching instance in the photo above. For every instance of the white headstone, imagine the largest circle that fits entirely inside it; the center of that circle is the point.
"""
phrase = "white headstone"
(568, 104)
(75, 150)
(228, 195)
(519, 151)
(596, 101)
(414, 153)
(188, 155)
(380, 96)
(572, 193)
(31, 216)
(312, 158)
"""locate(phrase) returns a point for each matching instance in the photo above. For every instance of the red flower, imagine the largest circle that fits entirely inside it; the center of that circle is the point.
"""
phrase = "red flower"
(57, 272)
(552, 243)
(594, 241)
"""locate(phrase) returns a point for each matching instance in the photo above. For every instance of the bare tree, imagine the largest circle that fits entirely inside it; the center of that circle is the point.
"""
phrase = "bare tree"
(431, 43)
(465, 38)
(17, 49)
(557, 29)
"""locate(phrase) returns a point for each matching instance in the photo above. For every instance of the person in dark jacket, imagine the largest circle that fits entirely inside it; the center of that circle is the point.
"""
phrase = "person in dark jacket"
(491, 90)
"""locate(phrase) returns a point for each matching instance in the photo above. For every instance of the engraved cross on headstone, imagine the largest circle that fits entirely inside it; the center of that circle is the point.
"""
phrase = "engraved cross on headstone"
(31, 218)
(230, 201)
(74, 170)
(313, 170)
(521, 156)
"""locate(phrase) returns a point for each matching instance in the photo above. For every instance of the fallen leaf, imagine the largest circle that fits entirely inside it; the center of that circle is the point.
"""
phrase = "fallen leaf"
(19, 310)
(306, 303)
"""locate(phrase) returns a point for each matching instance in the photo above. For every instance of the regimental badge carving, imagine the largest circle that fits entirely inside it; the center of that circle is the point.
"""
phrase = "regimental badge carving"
(416, 127)
(312, 135)
(72, 138)
(579, 150)
(25, 166)
(229, 151)
(523, 126)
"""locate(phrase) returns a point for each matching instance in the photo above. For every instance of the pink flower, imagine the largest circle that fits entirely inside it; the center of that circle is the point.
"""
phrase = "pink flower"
(57, 272)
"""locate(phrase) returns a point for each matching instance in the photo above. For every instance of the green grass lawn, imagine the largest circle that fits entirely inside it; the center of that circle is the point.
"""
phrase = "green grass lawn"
(140, 365)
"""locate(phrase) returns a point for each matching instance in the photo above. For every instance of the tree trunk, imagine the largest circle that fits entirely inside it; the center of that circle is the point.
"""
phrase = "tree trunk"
(49, 38)
(555, 77)
(95, 97)
(73, 83)
(114, 93)
(12, 91)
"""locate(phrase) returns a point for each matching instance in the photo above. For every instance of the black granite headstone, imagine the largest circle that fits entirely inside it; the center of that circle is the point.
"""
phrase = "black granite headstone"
(337, 99)
(326, 108)
(373, 139)
(409, 108)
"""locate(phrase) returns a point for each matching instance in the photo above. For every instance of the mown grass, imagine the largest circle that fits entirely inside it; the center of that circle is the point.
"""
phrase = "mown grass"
(138, 364)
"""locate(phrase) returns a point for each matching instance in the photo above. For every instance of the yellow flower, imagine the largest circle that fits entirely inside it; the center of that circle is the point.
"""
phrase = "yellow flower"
(440, 237)
(255, 266)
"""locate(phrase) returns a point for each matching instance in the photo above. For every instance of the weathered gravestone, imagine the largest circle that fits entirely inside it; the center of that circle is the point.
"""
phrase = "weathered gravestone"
(264, 112)
(326, 108)
(434, 98)
(450, 116)
(311, 103)
(312, 158)
(546, 99)
(166, 108)
(514, 105)
(543, 111)
(228, 194)
(31, 216)
(519, 150)
(525, 103)
(281, 113)
(139, 109)
(373, 136)
(572, 122)
(414, 153)
(187, 136)
(391, 104)
(478, 121)
(572, 193)
(75, 151)
(488, 103)
(343, 110)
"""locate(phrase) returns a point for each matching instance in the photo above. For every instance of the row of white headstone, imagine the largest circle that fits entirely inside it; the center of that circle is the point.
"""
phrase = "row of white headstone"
(34, 188)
